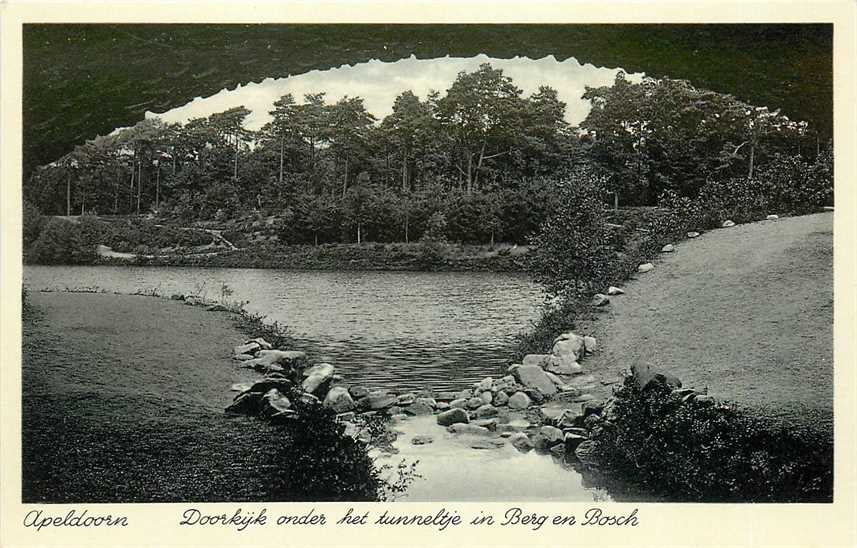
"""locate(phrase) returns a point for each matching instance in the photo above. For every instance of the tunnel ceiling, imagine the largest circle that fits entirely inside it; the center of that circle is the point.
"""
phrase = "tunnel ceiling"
(85, 80)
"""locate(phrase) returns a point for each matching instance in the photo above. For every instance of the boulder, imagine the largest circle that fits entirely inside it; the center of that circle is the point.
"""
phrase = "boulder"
(519, 400)
(644, 377)
(727, 223)
(521, 442)
(572, 441)
(613, 290)
(243, 357)
(460, 403)
(645, 267)
(453, 416)
(486, 397)
(464, 394)
(445, 396)
(490, 424)
(536, 395)
(669, 248)
(589, 344)
(532, 376)
(693, 234)
(554, 379)
(475, 403)
(487, 444)
(418, 408)
(486, 411)
(500, 399)
(565, 367)
(319, 379)
(280, 383)
(276, 360)
(465, 428)
(423, 439)
(552, 434)
(406, 399)
(263, 344)
(274, 402)
(600, 299)
(376, 401)
(339, 400)
(249, 348)
(358, 392)
(503, 384)
(442, 406)
(567, 345)
(246, 403)
(540, 360)
(585, 452)
(772, 217)
(485, 384)
(540, 443)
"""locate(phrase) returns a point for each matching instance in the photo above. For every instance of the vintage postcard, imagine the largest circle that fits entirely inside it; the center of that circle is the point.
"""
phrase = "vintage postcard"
(450, 274)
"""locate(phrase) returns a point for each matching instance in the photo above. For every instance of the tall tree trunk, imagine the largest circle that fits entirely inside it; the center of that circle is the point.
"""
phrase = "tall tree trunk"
(405, 171)
(83, 203)
(139, 186)
(616, 201)
(131, 188)
(752, 160)
(282, 148)
(68, 196)
(479, 164)
(235, 168)
(406, 228)
(469, 173)
(158, 188)
(345, 179)
(358, 233)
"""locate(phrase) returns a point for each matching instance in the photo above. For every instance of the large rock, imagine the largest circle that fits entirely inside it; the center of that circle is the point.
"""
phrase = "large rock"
(589, 344)
(358, 392)
(645, 267)
(419, 408)
(485, 411)
(265, 345)
(552, 434)
(453, 416)
(460, 403)
(486, 397)
(585, 452)
(503, 384)
(485, 384)
(406, 399)
(475, 403)
(465, 428)
(567, 345)
(249, 348)
(521, 442)
(613, 290)
(376, 401)
(693, 234)
(600, 299)
(669, 248)
(727, 223)
(318, 379)
(541, 360)
(243, 357)
(566, 367)
(276, 360)
(500, 399)
(339, 400)
(274, 402)
(246, 403)
(519, 400)
(772, 217)
(532, 376)
(554, 379)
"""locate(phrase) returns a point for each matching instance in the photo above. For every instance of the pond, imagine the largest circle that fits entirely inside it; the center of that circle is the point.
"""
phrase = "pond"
(394, 330)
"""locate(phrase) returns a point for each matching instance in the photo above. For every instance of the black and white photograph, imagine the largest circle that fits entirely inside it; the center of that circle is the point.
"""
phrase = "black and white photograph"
(435, 263)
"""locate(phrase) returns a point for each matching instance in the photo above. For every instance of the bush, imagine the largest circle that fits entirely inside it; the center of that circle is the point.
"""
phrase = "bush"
(64, 242)
(699, 451)
(572, 247)
(33, 223)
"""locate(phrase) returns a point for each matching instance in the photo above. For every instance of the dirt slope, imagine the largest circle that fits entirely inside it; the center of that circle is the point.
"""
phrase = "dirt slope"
(746, 311)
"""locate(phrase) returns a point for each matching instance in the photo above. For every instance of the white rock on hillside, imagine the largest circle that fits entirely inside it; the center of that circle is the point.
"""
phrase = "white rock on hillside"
(693, 234)
(645, 267)
(727, 223)
(567, 345)
(600, 299)
(669, 248)
(339, 400)
(248, 348)
(613, 290)
(589, 344)
(772, 217)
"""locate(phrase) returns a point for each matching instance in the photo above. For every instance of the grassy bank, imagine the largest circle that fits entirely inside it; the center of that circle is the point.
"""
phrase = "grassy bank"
(123, 400)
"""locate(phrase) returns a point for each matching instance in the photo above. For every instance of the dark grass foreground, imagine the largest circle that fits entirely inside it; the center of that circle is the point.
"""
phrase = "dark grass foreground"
(123, 400)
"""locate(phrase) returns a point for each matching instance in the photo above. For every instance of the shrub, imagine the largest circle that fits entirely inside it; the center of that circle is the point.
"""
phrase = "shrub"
(699, 451)
(33, 223)
(572, 247)
(64, 242)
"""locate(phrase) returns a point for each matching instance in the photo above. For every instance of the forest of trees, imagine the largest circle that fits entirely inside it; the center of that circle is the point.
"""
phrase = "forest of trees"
(482, 155)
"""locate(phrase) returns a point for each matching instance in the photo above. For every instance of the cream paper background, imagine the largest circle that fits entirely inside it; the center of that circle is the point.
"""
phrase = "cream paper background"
(799, 525)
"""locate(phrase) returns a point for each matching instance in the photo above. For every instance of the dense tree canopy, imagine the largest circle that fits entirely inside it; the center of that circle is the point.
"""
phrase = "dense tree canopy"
(482, 154)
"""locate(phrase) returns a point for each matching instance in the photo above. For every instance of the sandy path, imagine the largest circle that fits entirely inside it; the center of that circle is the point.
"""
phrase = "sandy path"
(745, 311)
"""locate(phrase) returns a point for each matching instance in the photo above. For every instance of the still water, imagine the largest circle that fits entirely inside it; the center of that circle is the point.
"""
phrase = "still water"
(396, 330)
